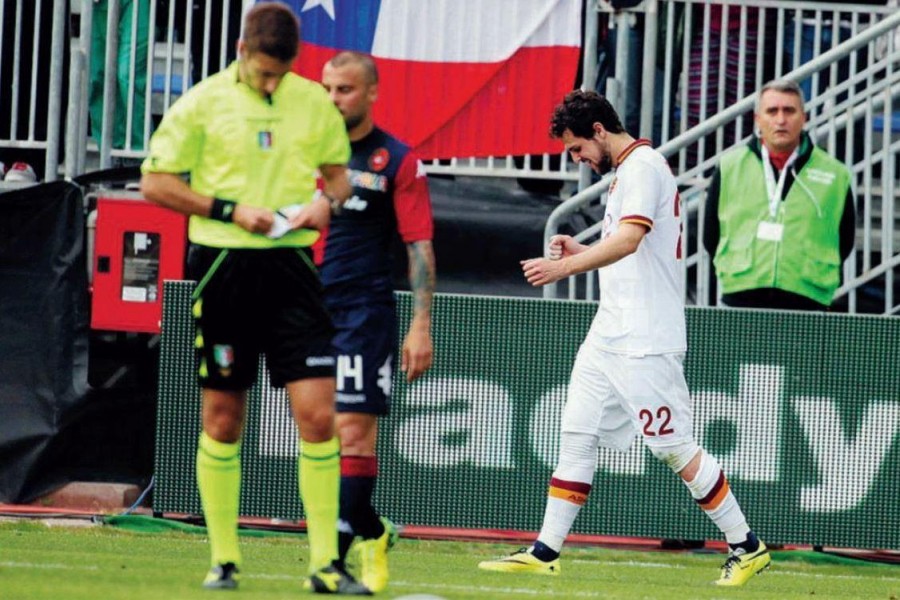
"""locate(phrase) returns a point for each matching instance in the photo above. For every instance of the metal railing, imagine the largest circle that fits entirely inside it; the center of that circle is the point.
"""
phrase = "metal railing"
(865, 95)
(170, 65)
(160, 67)
(172, 58)
(162, 60)
(30, 106)
(727, 52)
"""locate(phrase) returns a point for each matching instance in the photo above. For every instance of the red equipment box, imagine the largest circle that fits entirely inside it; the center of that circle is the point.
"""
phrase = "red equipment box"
(137, 246)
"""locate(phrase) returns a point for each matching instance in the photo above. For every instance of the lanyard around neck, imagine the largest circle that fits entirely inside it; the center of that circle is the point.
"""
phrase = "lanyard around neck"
(775, 189)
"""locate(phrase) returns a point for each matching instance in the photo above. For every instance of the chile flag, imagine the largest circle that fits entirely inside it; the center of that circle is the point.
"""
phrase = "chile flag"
(457, 77)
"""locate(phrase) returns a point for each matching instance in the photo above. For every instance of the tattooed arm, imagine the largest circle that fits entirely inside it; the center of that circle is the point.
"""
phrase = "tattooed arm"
(417, 351)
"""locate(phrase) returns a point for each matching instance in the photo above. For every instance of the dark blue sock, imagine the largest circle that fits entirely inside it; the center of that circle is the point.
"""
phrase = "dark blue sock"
(358, 477)
(544, 552)
(751, 544)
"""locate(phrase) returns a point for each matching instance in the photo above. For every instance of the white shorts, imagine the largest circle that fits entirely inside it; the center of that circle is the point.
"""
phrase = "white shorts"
(615, 397)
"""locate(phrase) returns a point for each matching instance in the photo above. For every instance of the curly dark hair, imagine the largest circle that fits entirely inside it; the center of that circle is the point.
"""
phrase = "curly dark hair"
(272, 29)
(578, 112)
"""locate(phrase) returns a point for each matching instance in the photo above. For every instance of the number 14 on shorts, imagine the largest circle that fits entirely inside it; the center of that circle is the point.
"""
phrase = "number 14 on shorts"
(351, 370)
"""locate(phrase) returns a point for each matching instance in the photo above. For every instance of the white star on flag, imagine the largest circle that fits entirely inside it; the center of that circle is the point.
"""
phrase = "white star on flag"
(327, 6)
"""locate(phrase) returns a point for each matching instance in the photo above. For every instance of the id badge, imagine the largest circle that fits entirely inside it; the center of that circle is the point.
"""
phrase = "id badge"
(771, 232)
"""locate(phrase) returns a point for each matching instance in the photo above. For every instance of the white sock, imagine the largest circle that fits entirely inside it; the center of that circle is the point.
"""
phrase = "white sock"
(569, 487)
(564, 502)
(711, 491)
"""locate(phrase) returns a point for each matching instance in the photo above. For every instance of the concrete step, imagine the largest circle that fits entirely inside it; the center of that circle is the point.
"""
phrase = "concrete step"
(91, 496)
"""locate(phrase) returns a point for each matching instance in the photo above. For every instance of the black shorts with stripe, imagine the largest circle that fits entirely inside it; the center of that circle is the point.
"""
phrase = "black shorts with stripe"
(249, 302)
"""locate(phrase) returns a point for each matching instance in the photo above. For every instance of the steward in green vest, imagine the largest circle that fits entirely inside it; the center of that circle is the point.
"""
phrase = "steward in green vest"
(779, 233)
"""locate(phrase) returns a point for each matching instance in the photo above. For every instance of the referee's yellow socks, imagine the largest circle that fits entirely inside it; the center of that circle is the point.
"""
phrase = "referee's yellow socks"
(319, 469)
(219, 483)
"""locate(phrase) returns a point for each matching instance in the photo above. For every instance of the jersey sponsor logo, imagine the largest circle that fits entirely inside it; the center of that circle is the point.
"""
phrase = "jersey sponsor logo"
(319, 361)
(355, 203)
(264, 138)
(368, 181)
(378, 160)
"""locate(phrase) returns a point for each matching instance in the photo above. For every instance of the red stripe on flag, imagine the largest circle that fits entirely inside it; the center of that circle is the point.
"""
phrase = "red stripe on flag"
(468, 109)
(311, 59)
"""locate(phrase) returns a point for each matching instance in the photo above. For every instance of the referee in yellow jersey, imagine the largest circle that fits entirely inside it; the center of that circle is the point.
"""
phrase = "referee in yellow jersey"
(251, 139)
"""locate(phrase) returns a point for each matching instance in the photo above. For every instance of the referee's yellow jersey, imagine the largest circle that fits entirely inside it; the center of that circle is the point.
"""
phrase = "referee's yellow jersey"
(239, 146)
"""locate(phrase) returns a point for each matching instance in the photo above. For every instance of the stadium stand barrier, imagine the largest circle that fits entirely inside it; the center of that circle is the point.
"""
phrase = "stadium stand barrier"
(860, 105)
(855, 118)
(805, 422)
(32, 52)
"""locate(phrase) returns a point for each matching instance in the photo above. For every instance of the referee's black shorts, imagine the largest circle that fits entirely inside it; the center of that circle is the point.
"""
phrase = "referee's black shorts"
(249, 302)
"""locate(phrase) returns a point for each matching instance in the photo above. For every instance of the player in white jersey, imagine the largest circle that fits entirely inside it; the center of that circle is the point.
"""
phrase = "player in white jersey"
(641, 300)
(628, 377)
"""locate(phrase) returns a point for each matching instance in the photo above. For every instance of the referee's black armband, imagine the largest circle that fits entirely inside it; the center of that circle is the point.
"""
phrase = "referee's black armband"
(222, 210)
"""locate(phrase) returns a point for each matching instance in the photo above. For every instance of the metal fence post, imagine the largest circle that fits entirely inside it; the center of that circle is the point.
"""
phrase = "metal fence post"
(110, 84)
(648, 76)
(51, 167)
(589, 73)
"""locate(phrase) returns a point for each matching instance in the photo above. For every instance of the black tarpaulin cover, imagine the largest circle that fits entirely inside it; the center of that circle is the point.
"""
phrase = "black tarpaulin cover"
(43, 330)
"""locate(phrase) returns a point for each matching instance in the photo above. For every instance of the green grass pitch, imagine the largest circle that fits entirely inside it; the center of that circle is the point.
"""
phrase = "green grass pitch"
(90, 563)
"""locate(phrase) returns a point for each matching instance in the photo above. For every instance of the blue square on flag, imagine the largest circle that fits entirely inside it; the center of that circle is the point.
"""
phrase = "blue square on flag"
(344, 24)
(265, 140)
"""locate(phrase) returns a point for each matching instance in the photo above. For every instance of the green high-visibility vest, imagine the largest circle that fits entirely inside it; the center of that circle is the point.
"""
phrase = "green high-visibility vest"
(806, 260)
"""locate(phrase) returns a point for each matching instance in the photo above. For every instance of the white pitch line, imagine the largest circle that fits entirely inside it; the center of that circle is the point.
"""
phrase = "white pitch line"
(497, 590)
(789, 573)
(298, 577)
(626, 563)
(26, 565)
(460, 588)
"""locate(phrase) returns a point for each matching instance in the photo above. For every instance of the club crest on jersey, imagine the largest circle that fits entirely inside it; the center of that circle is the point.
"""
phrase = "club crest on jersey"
(378, 160)
(264, 138)
(607, 228)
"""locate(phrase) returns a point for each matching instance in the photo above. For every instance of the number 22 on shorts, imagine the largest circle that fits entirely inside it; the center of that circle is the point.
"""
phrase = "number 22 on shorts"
(658, 424)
